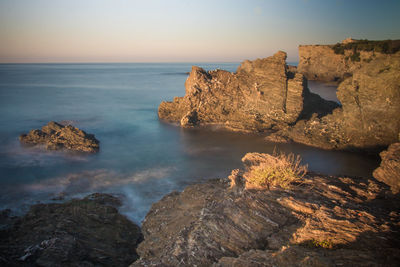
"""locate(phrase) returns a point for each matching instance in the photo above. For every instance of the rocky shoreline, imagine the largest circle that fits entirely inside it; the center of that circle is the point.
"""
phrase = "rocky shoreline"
(319, 221)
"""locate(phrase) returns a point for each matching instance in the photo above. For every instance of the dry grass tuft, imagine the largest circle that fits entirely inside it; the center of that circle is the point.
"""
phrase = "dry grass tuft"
(277, 170)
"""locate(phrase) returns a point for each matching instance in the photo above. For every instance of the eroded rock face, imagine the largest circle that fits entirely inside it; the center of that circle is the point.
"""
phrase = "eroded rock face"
(389, 170)
(260, 95)
(86, 232)
(322, 221)
(369, 116)
(56, 136)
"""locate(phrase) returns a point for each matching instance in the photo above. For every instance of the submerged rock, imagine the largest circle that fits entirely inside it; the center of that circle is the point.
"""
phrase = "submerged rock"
(321, 221)
(56, 136)
(262, 94)
(389, 170)
(85, 232)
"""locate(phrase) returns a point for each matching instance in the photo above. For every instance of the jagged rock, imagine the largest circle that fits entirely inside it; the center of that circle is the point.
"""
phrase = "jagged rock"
(56, 136)
(260, 95)
(369, 117)
(322, 221)
(85, 232)
(389, 170)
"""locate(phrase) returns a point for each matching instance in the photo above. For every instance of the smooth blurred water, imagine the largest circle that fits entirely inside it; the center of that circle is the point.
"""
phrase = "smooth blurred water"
(141, 158)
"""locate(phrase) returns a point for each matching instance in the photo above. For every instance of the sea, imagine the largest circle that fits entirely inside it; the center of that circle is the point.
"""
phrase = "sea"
(141, 158)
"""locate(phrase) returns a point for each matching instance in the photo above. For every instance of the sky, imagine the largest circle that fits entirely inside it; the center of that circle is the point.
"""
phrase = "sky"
(184, 30)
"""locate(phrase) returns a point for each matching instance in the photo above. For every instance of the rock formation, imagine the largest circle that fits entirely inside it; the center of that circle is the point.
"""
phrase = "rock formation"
(321, 221)
(86, 232)
(259, 96)
(334, 63)
(264, 96)
(56, 136)
(369, 116)
(389, 170)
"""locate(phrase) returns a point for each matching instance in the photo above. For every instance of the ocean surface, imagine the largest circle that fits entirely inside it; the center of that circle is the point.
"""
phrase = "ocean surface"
(141, 158)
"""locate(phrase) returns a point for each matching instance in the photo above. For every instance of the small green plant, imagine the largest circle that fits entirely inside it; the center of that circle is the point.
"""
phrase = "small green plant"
(327, 244)
(277, 170)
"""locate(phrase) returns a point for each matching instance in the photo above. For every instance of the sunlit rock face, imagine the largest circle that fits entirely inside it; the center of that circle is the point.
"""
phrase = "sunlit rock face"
(334, 63)
(261, 95)
(320, 221)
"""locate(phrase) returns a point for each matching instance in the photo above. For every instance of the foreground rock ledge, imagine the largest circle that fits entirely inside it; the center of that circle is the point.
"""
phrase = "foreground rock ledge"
(322, 221)
(56, 136)
(85, 232)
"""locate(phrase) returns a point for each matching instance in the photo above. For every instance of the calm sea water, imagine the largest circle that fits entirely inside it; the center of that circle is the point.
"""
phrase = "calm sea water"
(141, 159)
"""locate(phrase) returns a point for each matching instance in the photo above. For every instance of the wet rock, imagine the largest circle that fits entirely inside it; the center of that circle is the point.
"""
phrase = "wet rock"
(81, 232)
(262, 94)
(321, 221)
(56, 136)
(389, 170)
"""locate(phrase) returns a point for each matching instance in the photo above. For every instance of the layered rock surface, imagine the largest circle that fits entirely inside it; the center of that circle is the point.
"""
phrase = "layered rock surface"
(56, 136)
(322, 221)
(86, 232)
(260, 95)
(389, 170)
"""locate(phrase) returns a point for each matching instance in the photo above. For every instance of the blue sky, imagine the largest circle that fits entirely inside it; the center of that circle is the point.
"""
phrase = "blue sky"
(184, 31)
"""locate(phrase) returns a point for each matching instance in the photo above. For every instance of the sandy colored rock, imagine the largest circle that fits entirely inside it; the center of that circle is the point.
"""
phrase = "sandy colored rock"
(262, 94)
(389, 170)
(321, 63)
(56, 136)
(322, 221)
(81, 232)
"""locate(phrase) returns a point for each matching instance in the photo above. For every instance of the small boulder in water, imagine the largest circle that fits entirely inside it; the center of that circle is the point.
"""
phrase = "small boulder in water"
(56, 136)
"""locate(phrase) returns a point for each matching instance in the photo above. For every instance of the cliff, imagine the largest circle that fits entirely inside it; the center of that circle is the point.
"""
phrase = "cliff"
(334, 63)
(260, 95)
(369, 116)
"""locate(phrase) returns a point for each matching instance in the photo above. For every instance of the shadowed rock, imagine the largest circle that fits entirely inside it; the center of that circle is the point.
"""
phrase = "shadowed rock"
(56, 136)
(85, 232)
